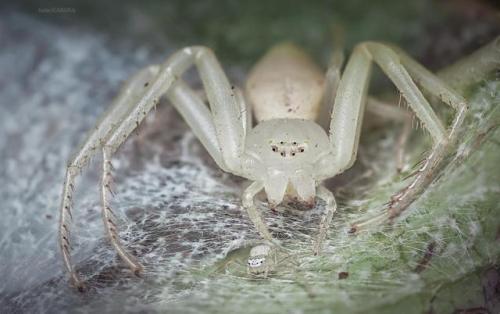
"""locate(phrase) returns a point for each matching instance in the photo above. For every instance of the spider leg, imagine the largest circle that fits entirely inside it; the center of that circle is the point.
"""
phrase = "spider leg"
(375, 106)
(349, 107)
(245, 111)
(436, 87)
(253, 212)
(118, 110)
(107, 216)
(326, 219)
(245, 108)
(332, 80)
(199, 118)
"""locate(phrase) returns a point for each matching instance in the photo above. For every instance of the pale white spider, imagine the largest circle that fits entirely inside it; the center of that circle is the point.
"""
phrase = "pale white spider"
(263, 259)
(286, 153)
(260, 260)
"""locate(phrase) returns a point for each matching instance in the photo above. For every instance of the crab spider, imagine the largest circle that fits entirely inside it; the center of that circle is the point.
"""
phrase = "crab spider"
(286, 153)
(262, 260)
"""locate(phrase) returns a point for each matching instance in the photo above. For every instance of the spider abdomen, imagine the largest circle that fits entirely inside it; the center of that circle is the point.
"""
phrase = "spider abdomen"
(285, 84)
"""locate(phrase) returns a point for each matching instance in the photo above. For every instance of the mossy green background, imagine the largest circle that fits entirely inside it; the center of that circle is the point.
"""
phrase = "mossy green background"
(442, 256)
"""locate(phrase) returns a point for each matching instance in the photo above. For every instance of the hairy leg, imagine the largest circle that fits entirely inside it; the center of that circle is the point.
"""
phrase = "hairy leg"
(118, 110)
(349, 107)
(458, 76)
(431, 83)
(107, 216)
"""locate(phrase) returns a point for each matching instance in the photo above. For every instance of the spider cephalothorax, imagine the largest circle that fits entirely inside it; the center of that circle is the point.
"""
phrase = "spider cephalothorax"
(285, 155)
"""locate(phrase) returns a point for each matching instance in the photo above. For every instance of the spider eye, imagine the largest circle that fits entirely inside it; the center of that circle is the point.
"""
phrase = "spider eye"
(283, 154)
(294, 143)
(301, 150)
(256, 262)
(282, 142)
(293, 154)
(274, 148)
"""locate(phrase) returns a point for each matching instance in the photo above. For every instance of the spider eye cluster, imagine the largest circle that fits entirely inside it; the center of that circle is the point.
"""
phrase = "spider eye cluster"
(290, 149)
(256, 262)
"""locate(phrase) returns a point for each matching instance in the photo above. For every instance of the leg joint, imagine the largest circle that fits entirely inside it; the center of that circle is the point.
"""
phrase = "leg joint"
(247, 199)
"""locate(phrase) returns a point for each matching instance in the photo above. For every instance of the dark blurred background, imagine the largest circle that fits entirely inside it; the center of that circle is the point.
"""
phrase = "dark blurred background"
(240, 31)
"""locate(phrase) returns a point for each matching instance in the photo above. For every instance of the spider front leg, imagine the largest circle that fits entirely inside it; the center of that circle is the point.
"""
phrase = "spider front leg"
(349, 108)
(381, 109)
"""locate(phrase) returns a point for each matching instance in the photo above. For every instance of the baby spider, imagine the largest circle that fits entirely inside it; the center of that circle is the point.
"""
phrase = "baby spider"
(286, 153)
(263, 259)
(258, 260)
